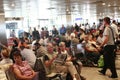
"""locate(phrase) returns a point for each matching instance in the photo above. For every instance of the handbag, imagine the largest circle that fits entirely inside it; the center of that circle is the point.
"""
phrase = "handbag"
(39, 67)
(101, 62)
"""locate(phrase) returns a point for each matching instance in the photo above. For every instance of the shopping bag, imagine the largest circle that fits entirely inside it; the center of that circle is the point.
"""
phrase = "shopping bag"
(101, 61)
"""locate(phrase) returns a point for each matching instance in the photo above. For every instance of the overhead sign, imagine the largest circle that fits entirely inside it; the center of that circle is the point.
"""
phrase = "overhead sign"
(12, 25)
(78, 19)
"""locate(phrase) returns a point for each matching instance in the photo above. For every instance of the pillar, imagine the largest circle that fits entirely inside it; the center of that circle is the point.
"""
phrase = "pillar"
(3, 38)
(69, 19)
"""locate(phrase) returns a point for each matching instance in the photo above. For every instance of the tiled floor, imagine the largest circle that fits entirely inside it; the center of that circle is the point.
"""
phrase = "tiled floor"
(92, 73)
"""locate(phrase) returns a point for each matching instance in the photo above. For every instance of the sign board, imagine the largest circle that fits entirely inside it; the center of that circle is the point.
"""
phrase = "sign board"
(78, 19)
(12, 25)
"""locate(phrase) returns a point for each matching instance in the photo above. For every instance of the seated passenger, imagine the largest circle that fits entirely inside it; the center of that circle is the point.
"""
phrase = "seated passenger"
(55, 46)
(6, 61)
(51, 67)
(78, 64)
(26, 40)
(28, 55)
(22, 69)
(15, 41)
(33, 42)
(39, 50)
(22, 43)
(91, 45)
(82, 34)
(91, 49)
(100, 38)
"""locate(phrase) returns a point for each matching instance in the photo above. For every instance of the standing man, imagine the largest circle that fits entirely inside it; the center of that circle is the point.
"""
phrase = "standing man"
(62, 30)
(54, 31)
(35, 34)
(87, 27)
(76, 27)
(94, 26)
(114, 26)
(30, 34)
(108, 43)
(12, 33)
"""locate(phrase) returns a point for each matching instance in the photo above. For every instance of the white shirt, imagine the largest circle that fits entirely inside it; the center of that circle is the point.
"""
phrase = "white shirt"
(115, 29)
(5, 64)
(29, 56)
(83, 27)
(32, 45)
(87, 27)
(65, 52)
(41, 41)
(100, 39)
(5, 61)
(82, 36)
(45, 41)
(30, 31)
(108, 32)
(80, 48)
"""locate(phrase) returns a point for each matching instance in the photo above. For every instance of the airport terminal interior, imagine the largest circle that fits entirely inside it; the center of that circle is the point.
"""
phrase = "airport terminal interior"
(59, 39)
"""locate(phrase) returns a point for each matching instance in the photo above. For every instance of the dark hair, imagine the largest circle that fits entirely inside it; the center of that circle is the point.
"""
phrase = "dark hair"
(37, 44)
(17, 53)
(107, 20)
(101, 32)
(42, 28)
(22, 40)
(34, 29)
(22, 47)
(114, 21)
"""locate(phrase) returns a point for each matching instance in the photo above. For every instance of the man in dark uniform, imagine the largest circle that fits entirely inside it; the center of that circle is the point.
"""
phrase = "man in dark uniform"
(35, 34)
(108, 44)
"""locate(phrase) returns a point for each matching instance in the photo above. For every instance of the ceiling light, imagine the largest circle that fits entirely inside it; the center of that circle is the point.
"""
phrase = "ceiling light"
(109, 5)
(103, 13)
(69, 12)
(12, 4)
(103, 4)
(67, 9)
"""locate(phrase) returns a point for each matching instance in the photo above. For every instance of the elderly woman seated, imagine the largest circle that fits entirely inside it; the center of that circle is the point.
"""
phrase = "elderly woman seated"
(22, 69)
(6, 62)
(92, 49)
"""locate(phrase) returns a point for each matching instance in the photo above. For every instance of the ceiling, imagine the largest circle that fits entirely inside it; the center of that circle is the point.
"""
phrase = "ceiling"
(60, 7)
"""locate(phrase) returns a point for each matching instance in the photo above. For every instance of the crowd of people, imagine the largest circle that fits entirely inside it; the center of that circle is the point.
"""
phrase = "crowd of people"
(82, 46)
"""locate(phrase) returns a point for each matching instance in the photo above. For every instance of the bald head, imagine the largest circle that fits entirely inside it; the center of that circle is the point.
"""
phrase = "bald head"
(61, 44)
(49, 45)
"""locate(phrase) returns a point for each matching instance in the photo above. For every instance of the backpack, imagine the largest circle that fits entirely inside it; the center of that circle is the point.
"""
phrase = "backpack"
(39, 67)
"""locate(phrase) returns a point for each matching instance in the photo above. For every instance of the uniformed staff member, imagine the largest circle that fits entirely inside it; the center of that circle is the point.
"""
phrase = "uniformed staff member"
(108, 44)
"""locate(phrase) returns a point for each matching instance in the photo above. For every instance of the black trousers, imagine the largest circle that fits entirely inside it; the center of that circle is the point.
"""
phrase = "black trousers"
(109, 60)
